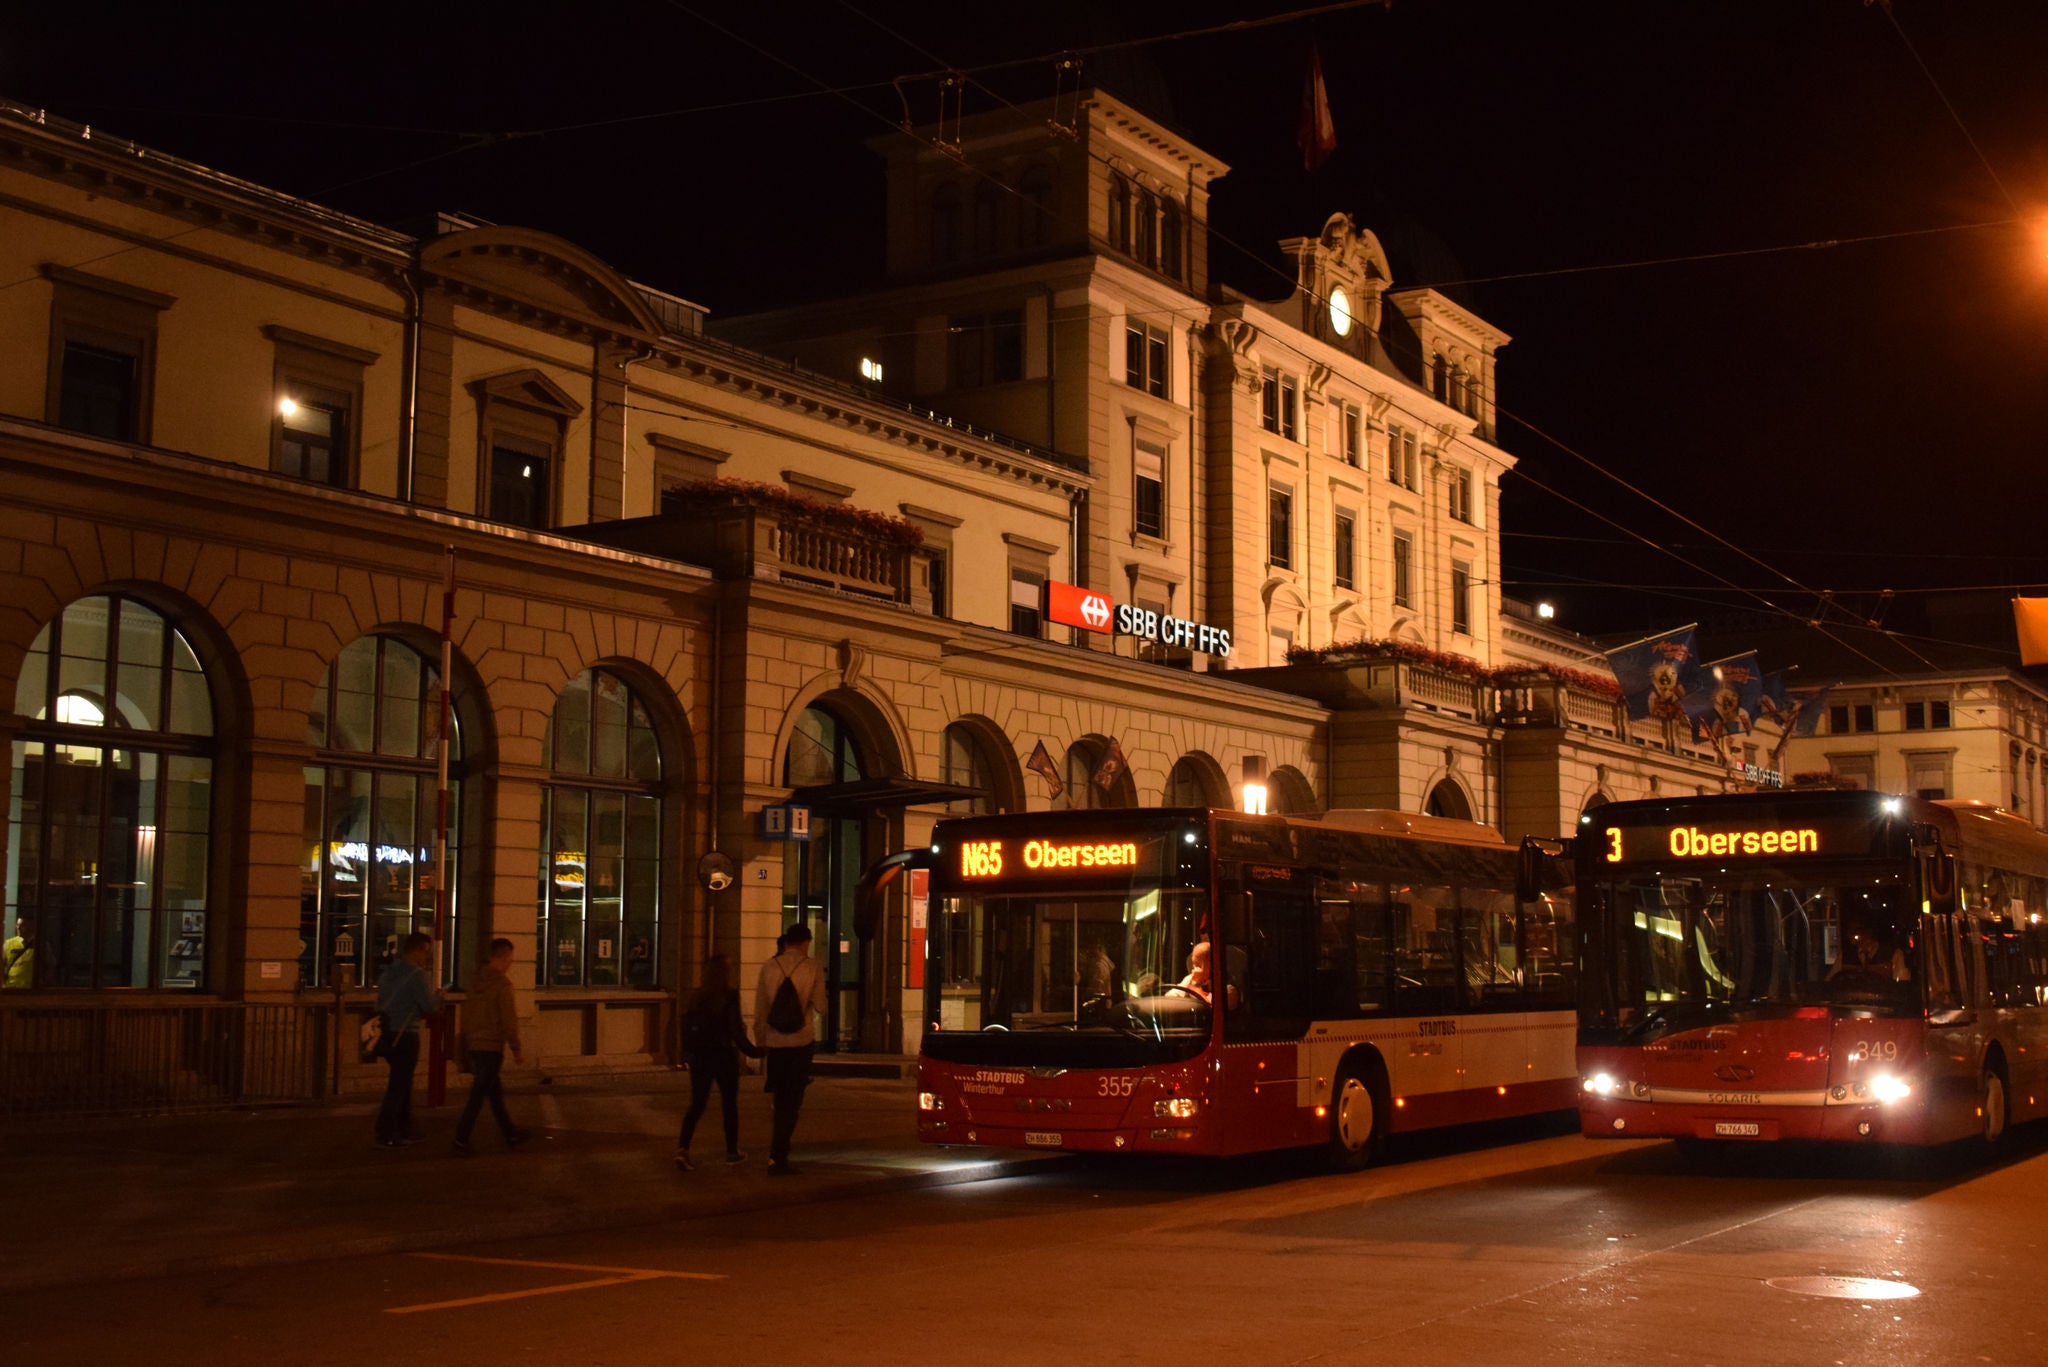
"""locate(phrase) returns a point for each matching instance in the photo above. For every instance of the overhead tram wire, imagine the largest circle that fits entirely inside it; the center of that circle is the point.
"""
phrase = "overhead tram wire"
(1948, 104)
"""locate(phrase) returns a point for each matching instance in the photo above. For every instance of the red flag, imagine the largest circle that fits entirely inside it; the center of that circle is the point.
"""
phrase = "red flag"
(1041, 764)
(1113, 764)
(1316, 135)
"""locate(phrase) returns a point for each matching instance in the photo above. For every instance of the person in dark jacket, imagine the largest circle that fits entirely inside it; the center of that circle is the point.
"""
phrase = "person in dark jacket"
(490, 1022)
(715, 1037)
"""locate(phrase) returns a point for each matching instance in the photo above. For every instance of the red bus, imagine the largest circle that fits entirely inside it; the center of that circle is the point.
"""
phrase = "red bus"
(1830, 965)
(1194, 981)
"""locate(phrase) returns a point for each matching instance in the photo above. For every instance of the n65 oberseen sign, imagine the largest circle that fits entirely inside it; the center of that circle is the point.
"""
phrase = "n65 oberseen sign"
(1091, 610)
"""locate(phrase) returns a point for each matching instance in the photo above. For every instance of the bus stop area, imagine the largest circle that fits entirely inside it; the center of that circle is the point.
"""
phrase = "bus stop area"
(111, 1199)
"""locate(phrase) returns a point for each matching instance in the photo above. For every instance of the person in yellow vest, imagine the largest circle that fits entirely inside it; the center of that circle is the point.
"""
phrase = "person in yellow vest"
(18, 955)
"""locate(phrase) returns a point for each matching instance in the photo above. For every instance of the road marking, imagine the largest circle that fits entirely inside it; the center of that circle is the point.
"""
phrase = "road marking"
(613, 1276)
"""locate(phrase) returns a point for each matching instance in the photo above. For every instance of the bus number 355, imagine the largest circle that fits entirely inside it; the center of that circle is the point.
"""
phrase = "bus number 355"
(1113, 1086)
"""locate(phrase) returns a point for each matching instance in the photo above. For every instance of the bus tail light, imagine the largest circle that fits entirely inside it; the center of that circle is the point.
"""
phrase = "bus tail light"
(930, 1101)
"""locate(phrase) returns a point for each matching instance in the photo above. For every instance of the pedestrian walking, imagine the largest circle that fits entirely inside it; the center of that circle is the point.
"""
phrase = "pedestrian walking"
(490, 1025)
(789, 993)
(405, 997)
(715, 1037)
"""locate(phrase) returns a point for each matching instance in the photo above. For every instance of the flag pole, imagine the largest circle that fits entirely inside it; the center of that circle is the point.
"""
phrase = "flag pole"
(437, 1028)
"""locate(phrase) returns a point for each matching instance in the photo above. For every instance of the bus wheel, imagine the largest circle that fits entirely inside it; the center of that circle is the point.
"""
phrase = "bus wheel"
(1356, 1124)
(1992, 1107)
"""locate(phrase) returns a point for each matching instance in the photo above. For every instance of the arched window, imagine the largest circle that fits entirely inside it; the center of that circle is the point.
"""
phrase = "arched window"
(1170, 237)
(822, 749)
(370, 815)
(1292, 794)
(1440, 377)
(600, 897)
(964, 760)
(1192, 784)
(1447, 799)
(109, 819)
(1119, 213)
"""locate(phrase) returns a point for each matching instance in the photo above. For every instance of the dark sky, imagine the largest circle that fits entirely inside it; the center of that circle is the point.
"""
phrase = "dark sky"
(1860, 417)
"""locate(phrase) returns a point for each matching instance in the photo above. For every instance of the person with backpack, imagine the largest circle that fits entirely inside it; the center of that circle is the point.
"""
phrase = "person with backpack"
(406, 995)
(715, 1037)
(788, 993)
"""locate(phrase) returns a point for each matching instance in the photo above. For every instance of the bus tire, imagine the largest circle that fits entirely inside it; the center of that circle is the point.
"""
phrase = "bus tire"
(1992, 1108)
(1358, 1118)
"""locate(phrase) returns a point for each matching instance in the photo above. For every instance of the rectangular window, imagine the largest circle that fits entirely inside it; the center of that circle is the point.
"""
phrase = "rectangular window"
(1937, 715)
(987, 348)
(1916, 716)
(1354, 436)
(1147, 225)
(1403, 458)
(1277, 403)
(1865, 716)
(313, 433)
(1027, 601)
(520, 485)
(1344, 550)
(97, 393)
(317, 387)
(1148, 491)
(940, 583)
(1461, 598)
(1145, 359)
(1403, 588)
(1461, 495)
(102, 354)
(1280, 526)
(1838, 720)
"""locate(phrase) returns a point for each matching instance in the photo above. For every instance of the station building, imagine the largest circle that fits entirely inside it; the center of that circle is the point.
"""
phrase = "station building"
(248, 443)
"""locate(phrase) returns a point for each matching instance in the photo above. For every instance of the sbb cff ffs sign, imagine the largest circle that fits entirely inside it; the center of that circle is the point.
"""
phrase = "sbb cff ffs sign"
(1090, 610)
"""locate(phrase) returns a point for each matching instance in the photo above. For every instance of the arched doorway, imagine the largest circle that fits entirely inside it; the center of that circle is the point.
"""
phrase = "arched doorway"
(1448, 799)
(819, 874)
(1196, 781)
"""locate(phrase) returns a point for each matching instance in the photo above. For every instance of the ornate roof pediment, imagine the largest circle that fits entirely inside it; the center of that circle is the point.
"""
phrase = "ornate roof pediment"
(542, 271)
(529, 389)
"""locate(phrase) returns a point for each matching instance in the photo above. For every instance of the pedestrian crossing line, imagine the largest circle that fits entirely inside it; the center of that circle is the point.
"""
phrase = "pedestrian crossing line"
(613, 1276)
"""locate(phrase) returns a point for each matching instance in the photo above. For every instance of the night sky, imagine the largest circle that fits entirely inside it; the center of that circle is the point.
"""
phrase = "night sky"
(1860, 417)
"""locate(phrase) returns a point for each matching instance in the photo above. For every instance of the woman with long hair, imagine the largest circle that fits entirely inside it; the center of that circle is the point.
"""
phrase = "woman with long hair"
(715, 1037)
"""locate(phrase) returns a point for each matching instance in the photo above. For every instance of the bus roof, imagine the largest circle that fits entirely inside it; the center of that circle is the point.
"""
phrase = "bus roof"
(1380, 821)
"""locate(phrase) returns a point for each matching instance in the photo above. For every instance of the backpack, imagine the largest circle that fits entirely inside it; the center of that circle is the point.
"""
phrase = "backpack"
(786, 1014)
(375, 1036)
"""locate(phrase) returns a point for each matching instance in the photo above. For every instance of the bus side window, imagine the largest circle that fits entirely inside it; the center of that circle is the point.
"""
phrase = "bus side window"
(1336, 962)
(1426, 946)
(1269, 973)
(1374, 955)
(1937, 940)
(1486, 931)
(1549, 954)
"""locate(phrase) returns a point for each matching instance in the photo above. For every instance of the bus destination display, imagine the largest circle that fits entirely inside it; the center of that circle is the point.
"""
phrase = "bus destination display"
(1723, 840)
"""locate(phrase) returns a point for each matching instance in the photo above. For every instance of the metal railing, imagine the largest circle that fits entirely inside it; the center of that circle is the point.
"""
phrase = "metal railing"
(145, 1058)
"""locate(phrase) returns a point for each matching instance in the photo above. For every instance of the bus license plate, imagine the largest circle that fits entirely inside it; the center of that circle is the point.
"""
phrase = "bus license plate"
(1736, 1129)
(1042, 1139)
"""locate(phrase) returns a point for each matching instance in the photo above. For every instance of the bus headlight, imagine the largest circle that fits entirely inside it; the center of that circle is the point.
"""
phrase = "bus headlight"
(1888, 1089)
(1175, 1108)
(1603, 1084)
(930, 1101)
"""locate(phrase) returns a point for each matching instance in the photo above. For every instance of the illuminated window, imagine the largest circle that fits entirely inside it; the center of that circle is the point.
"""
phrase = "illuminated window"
(367, 876)
(107, 851)
(599, 919)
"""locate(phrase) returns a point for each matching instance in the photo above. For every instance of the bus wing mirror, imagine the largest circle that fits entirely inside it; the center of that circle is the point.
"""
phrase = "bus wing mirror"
(871, 894)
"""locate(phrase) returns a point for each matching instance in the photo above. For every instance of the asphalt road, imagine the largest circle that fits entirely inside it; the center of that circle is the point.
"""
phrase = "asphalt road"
(1519, 1246)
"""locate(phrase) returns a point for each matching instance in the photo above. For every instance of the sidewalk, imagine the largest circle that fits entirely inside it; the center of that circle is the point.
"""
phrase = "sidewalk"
(112, 1200)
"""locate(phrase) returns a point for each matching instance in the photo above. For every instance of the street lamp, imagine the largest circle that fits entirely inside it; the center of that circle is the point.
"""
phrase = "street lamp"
(1254, 794)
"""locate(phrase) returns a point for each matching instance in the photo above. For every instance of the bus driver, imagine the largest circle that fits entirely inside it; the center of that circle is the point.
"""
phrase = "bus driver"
(1868, 958)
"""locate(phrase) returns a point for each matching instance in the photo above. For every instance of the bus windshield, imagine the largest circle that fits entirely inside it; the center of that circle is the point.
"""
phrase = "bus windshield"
(1756, 941)
(1109, 964)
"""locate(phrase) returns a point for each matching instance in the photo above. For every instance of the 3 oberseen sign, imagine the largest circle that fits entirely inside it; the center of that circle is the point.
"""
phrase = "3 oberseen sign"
(1091, 610)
